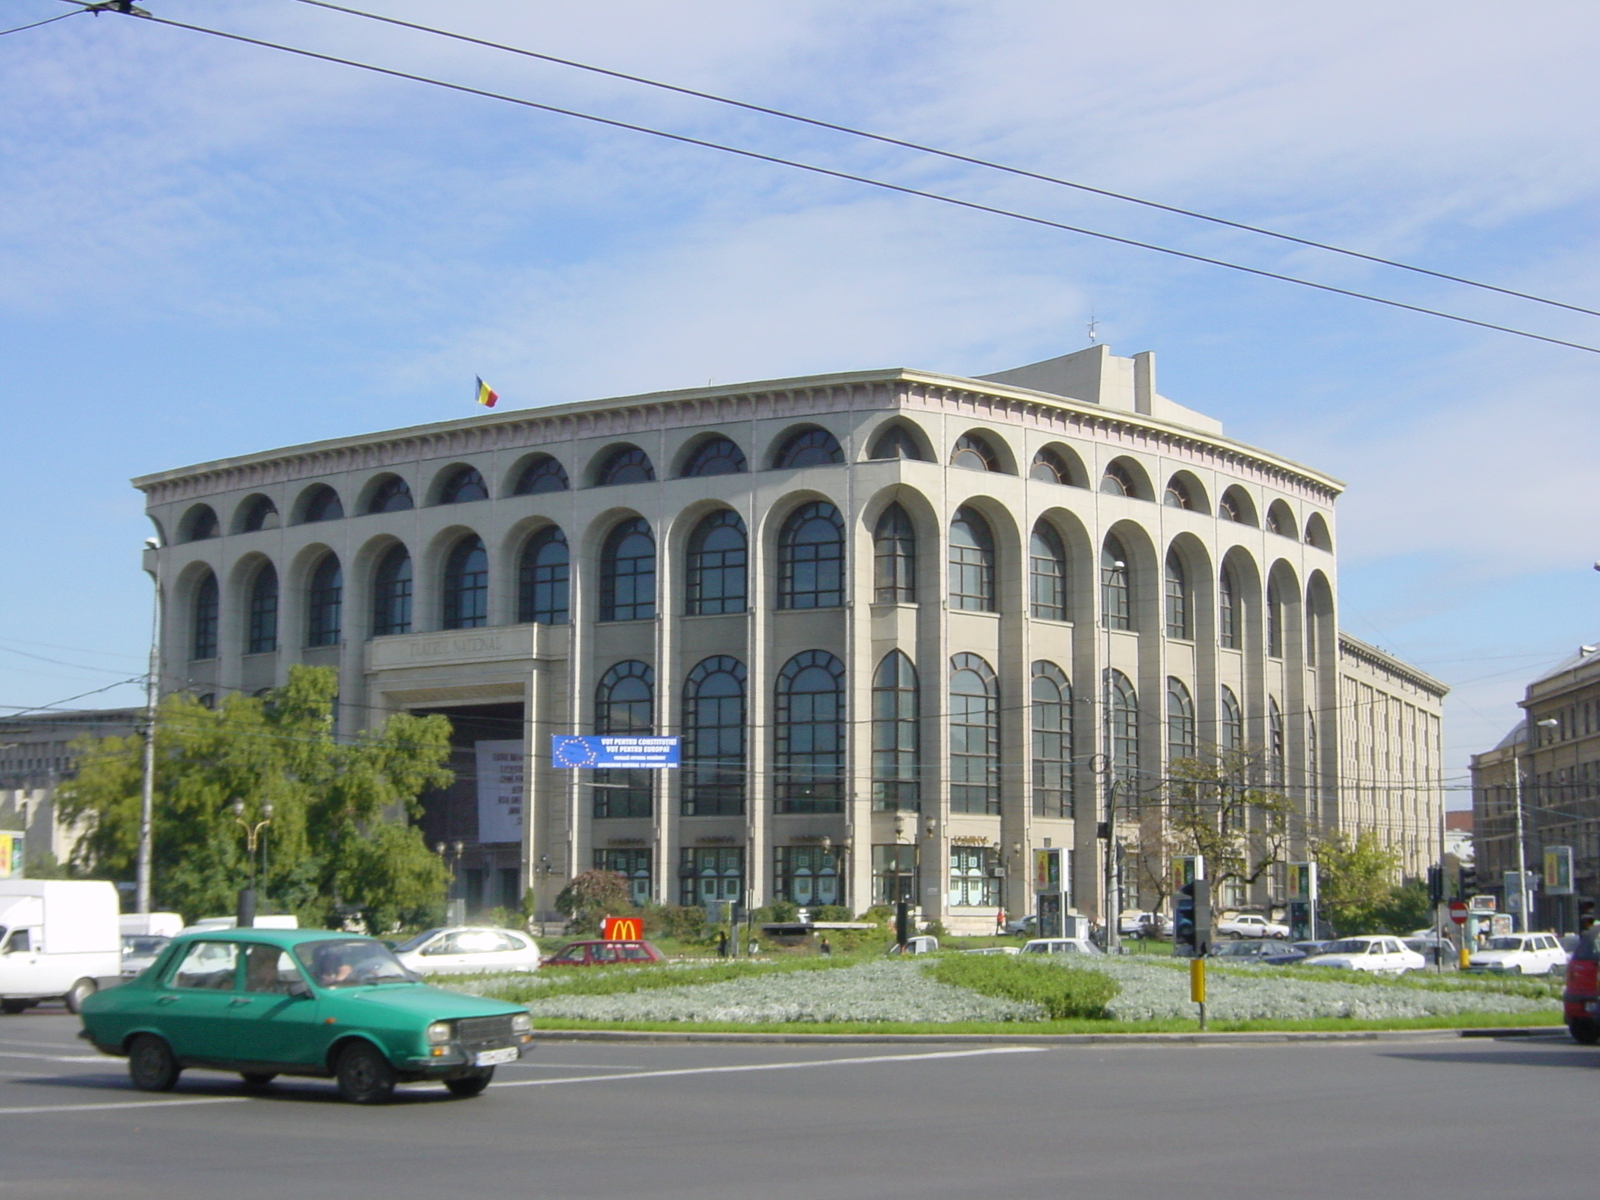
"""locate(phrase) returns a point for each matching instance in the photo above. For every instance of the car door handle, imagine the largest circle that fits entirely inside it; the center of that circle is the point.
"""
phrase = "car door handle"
(166, 1000)
(238, 1000)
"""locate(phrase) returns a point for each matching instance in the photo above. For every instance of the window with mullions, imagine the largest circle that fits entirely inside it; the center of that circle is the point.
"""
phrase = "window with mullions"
(627, 465)
(1230, 729)
(1047, 574)
(1122, 726)
(710, 875)
(894, 558)
(1052, 741)
(542, 474)
(393, 495)
(1227, 611)
(463, 487)
(466, 586)
(624, 703)
(262, 635)
(1116, 586)
(1180, 723)
(809, 448)
(974, 453)
(894, 874)
(974, 736)
(1178, 494)
(542, 578)
(391, 593)
(1274, 620)
(896, 735)
(628, 573)
(897, 442)
(811, 558)
(325, 603)
(632, 865)
(1118, 481)
(807, 874)
(1275, 743)
(1180, 622)
(809, 759)
(1050, 467)
(203, 642)
(717, 579)
(971, 566)
(717, 456)
(972, 883)
(714, 760)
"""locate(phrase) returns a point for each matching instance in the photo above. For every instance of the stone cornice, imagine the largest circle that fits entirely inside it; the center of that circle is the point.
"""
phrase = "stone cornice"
(1354, 647)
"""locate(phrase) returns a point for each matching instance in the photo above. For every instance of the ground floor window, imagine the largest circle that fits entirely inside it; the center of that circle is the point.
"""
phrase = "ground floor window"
(711, 875)
(622, 793)
(807, 875)
(972, 883)
(632, 865)
(894, 874)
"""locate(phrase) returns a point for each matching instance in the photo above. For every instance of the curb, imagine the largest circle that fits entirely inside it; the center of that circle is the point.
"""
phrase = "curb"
(1044, 1039)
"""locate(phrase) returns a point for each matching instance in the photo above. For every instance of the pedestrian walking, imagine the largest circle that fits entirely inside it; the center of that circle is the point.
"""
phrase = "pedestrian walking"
(824, 949)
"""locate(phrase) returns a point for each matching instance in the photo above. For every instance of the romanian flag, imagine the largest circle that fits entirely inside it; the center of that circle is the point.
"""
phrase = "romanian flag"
(485, 395)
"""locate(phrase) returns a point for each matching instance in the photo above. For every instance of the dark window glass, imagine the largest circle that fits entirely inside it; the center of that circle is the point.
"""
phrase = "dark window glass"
(714, 771)
(1047, 574)
(971, 562)
(263, 631)
(894, 558)
(897, 442)
(716, 581)
(974, 736)
(393, 495)
(463, 487)
(1180, 722)
(624, 703)
(1122, 716)
(262, 514)
(628, 573)
(1231, 730)
(204, 642)
(203, 524)
(1275, 747)
(1052, 742)
(811, 558)
(807, 875)
(466, 586)
(1234, 507)
(1179, 622)
(1049, 467)
(718, 456)
(896, 735)
(1227, 611)
(325, 603)
(810, 448)
(1118, 481)
(542, 474)
(1116, 586)
(627, 465)
(894, 874)
(710, 875)
(543, 579)
(632, 865)
(1274, 620)
(391, 593)
(323, 505)
(974, 453)
(809, 761)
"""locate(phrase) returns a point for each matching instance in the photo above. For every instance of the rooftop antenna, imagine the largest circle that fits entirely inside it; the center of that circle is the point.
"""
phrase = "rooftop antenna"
(1095, 325)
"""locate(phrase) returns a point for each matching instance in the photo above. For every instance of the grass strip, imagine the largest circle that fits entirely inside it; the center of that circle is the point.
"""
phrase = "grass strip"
(611, 981)
(1063, 992)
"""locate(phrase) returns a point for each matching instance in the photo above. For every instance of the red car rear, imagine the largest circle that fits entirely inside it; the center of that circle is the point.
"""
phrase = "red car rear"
(1580, 1001)
(594, 954)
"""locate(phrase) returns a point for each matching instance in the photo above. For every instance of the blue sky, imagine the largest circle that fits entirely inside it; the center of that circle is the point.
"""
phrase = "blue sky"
(209, 248)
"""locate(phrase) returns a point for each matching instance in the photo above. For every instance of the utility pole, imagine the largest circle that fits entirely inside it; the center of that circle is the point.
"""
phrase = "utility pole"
(147, 783)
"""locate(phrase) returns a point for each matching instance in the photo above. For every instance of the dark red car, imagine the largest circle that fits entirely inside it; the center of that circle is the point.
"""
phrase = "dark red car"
(1580, 1000)
(596, 954)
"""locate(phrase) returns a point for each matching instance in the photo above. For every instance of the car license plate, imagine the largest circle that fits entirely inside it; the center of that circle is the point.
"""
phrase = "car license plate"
(491, 1058)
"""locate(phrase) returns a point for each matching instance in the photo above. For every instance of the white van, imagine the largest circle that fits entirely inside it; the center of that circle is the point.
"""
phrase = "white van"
(59, 940)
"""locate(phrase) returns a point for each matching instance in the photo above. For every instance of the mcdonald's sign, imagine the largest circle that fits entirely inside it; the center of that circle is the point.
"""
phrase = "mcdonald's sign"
(622, 929)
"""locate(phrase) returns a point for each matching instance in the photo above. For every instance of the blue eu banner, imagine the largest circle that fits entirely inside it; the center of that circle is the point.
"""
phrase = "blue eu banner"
(637, 753)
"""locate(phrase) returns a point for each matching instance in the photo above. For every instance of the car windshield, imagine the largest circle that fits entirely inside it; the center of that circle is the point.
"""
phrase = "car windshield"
(1505, 943)
(413, 942)
(1348, 946)
(351, 962)
(142, 946)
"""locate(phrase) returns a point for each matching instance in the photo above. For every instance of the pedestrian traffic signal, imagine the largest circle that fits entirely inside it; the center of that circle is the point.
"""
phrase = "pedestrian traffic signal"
(1192, 929)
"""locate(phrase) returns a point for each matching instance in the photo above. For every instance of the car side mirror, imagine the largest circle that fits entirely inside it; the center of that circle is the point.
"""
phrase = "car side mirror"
(299, 989)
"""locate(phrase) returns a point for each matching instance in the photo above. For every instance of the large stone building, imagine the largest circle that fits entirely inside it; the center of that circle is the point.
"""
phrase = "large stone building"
(36, 757)
(909, 626)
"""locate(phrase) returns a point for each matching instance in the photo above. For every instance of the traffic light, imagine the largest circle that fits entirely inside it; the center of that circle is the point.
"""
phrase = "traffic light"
(1435, 885)
(1192, 928)
(1469, 881)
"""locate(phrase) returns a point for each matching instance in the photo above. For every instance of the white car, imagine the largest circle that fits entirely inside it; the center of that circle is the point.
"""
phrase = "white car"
(1060, 946)
(1249, 925)
(468, 949)
(1520, 954)
(1373, 952)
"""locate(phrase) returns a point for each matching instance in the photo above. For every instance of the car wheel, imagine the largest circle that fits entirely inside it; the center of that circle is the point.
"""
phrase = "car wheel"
(257, 1078)
(15, 1006)
(151, 1064)
(79, 992)
(365, 1076)
(1584, 1032)
(470, 1085)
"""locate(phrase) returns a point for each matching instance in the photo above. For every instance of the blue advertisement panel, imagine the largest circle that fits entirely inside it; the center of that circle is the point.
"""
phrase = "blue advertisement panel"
(636, 753)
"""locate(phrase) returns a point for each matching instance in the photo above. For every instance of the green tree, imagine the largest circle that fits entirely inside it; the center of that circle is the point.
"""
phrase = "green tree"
(1218, 806)
(340, 839)
(593, 895)
(1355, 880)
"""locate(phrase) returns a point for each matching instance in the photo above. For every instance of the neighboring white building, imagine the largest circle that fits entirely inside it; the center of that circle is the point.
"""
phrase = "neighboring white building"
(900, 620)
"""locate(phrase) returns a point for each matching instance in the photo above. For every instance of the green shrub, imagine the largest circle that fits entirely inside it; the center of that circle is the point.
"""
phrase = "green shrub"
(1063, 992)
(831, 912)
(685, 922)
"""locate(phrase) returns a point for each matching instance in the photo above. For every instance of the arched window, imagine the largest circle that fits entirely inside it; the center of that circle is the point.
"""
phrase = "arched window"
(974, 736)
(714, 768)
(716, 456)
(628, 573)
(716, 579)
(1180, 620)
(894, 558)
(1236, 506)
(897, 442)
(262, 635)
(201, 524)
(1230, 731)
(626, 465)
(1313, 764)
(1317, 532)
(463, 487)
(1228, 623)
(1052, 742)
(260, 514)
(542, 578)
(1275, 746)
(1116, 586)
(974, 453)
(1122, 734)
(466, 585)
(322, 505)
(325, 603)
(1178, 494)
(203, 643)
(1050, 467)
(809, 448)
(624, 704)
(392, 495)
(896, 735)
(1118, 481)
(1280, 520)
(542, 474)
(811, 558)
(1274, 619)
(1180, 722)
(391, 593)
(1047, 574)
(971, 564)
(809, 759)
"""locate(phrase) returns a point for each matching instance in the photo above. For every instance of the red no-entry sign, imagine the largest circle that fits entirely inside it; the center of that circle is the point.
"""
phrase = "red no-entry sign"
(1458, 911)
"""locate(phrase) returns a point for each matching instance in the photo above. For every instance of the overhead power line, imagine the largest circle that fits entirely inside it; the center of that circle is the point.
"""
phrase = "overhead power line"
(46, 21)
(883, 185)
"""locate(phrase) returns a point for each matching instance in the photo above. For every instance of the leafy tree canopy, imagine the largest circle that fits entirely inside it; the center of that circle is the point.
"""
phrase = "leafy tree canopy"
(1356, 882)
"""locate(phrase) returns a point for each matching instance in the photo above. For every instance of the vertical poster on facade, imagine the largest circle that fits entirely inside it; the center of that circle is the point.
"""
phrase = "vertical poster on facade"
(11, 855)
(500, 785)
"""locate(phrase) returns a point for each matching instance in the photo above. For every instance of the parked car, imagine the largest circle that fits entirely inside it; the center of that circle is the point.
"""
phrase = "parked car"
(140, 951)
(468, 949)
(1134, 923)
(270, 1002)
(1580, 998)
(1372, 952)
(1061, 946)
(594, 954)
(991, 950)
(58, 941)
(1250, 925)
(1264, 951)
(1022, 926)
(921, 944)
(1519, 954)
(1434, 950)
(1308, 948)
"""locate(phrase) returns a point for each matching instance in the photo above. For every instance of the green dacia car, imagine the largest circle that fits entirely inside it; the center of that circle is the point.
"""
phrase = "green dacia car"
(269, 1002)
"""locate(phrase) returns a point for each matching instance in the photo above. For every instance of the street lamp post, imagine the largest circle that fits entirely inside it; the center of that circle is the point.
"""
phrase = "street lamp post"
(147, 782)
(1522, 849)
(252, 836)
(1108, 917)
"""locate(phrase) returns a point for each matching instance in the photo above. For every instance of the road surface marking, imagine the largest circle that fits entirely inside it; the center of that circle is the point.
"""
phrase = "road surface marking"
(58, 1057)
(55, 1108)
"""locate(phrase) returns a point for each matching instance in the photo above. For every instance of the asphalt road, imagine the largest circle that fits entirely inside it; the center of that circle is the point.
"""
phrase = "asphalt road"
(1281, 1121)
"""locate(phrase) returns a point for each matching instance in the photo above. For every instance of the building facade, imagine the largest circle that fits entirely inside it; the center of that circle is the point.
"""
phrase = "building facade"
(908, 626)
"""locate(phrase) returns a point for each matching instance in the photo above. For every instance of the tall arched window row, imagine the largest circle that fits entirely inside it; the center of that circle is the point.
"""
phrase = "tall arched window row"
(1122, 726)
(1052, 742)
(543, 576)
(716, 456)
(463, 487)
(714, 757)
(261, 634)
(392, 495)
(322, 504)
(1180, 723)
(1047, 574)
(974, 452)
(809, 448)
(325, 603)
(624, 703)
(391, 593)
(1180, 612)
(896, 442)
(1275, 743)
(717, 575)
(542, 474)
(1230, 729)
(1228, 616)
(811, 558)
(1274, 619)
(628, 573)
(896, 735)
(203, 626)
(971, 565)
(809, 755)
(466, 585)
(1116, 585)
(974, 736)
(894, 558)
(629, 464)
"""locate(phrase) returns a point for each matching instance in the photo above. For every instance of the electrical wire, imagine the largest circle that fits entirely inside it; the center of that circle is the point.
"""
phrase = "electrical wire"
(46, 21)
